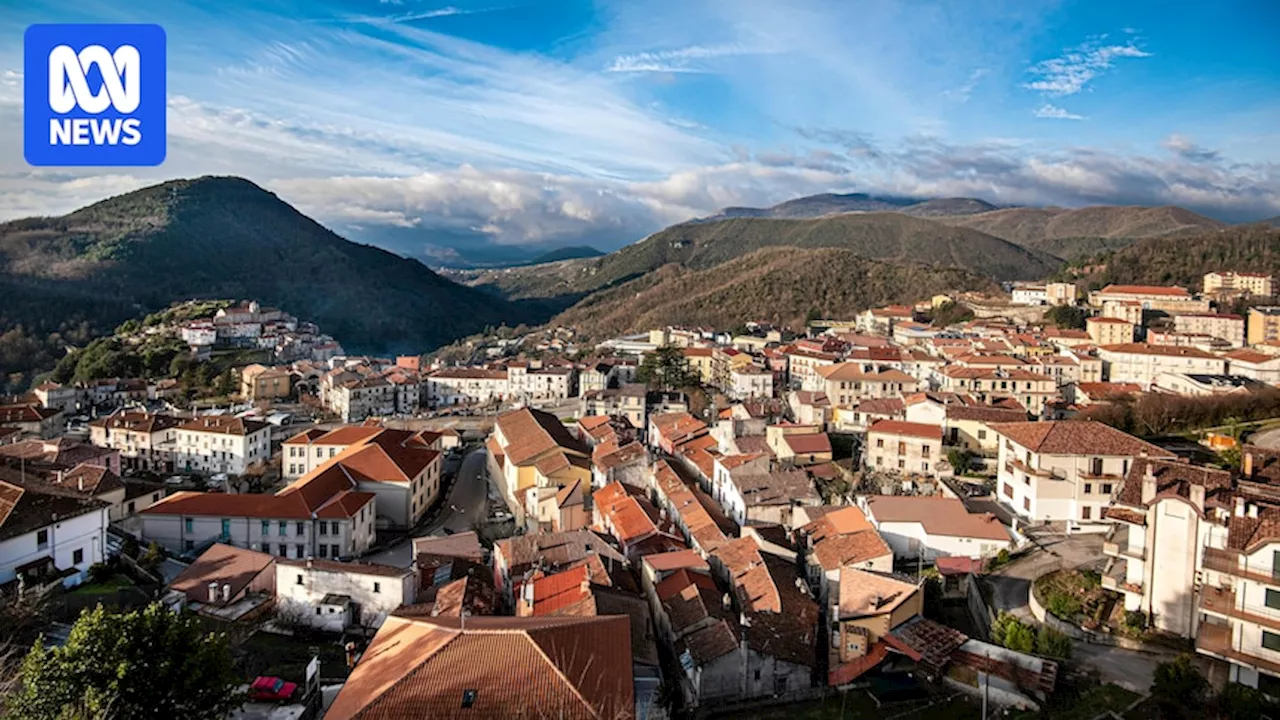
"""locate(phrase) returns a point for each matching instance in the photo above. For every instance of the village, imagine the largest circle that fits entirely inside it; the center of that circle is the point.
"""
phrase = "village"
(967, 505)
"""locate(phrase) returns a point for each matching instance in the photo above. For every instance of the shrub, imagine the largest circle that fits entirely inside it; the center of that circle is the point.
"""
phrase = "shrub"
(1008, 631)
(130, 546)
(1062, 604)
(1134, 621)
(152, 558)
(100, 572)
(1179, 686)
(1001, 558)
(1051, 643)
(1241, 701)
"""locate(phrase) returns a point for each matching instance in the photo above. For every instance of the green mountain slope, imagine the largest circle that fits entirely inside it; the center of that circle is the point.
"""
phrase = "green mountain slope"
(1155, 261)
(227, 238)
(776, 284)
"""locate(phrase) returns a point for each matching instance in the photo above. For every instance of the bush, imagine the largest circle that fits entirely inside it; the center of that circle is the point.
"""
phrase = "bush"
(1134, 621)
(130, 546)
(1179, 686)
(1001, 558)
(100, 573)
(1061, 604)
(1008, 631)
(152, 558)
(1051, 643)
(1241, 701)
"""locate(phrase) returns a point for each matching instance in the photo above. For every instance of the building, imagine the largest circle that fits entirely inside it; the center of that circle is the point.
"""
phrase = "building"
(334, 596)
(627, 401)
(1032, 390)
(32, 419)
(1109, 330)
(48, 535)
(536, 458)
(1229, 284)
(1061, 293)
(401, 467)
(848, 383)
(1197, 385)
(517, 559)
(576, 668)
(64, 398)
(1264, 326)
(221, 444)
(1254, 365)
(803, 366)
(905, 448)
(751, 492)
(934, 526)
(1140, 363)
(1171, 300)
(143, 440)
(841, 537)
(258, 382)
(870, 605)
(466, 386)
(1227, 327)
(750, 381)
(1064, 471)
(1029, 295)
(880, 321)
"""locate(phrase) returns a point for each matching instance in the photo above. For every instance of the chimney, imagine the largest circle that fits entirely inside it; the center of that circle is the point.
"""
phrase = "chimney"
(1246, 465)
(213, 592)
(226, 593)
(1197, 496)
(80, 483)
(1239, 509)
(726, 602)
(1148, 485)
(1253, 510)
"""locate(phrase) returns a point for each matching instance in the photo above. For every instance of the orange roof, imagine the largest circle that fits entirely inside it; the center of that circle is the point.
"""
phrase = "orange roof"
(530, 433)
(1107, 320)
(225, 565)
(675, 560)
(1249, 356)
(865, 593)
(1145, 290)
(910, 429)
(622, 513)
(751, 579)
(1076, 437)
(578, 667)
(695, 519)
(938, 516)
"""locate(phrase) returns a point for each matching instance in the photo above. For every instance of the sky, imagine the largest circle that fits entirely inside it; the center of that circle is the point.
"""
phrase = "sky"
(418, 124)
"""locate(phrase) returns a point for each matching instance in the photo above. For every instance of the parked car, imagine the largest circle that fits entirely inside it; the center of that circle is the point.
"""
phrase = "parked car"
(272, 689)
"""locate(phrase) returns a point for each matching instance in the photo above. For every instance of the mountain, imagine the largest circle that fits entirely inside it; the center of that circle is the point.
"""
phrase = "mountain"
(224, 237)
(946, 207)
(572, 252)
(774, 284)
(1074, 234)
(1156, 261)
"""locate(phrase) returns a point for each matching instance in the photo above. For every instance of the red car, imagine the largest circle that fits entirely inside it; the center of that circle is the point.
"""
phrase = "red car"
(272, 689)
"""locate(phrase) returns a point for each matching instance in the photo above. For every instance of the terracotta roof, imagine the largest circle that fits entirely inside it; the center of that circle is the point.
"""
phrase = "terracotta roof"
(530, 433)
(893, 407)
(1098, 390)
(570, 667)
(676, 582)
(347, 435)
(225, 565)
(938, 516)
(852, 371)
(1174, 478)
(353, 568)
(1098, 320)
(864, 593)
(808, 443)
(985, 413)
(622, 513)
(775, 487)
(1145, 290)
(854, 548)
(564, 593)
(628, 454)
(465, 373)
(305, 437)
(909, 429)
(1163, 350)
(676, 560)
(570, 495)
(926, 641)
(464, 545)
(836, 521)
(224, 425)
(752, 583)
(137, 421)
(1076, 437)
(25, 413)
(87, 479)
(702, 528)
(343, 504)
(27, 505)
(1252, 357)
(556, 549)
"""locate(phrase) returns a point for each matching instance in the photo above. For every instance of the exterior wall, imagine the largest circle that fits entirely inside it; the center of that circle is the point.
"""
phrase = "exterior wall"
(184, 534)
(211, 452)
(1142, 368)
(1264, 325)
(1108, 332)
(902, 454)
(85, 534)
(1057, 488)
(138, 450)
(745, 675)
(1224, 327)
(302, 587)
(909, 540)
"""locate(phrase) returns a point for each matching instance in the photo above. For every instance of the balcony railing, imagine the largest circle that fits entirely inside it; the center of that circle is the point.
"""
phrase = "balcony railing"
(1122, 548)
(1223, 601)
(1224, 561)
(1217, 640)
(1114, 579)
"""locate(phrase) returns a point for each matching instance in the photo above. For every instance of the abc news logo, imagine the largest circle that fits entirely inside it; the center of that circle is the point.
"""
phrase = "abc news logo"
(94, 95)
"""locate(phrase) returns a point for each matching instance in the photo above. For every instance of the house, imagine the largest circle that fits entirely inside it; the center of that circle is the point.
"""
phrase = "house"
(750, 381)
(848, 383)
(880, 321)
(333, 596)
(682, 502)
(1263, 326)
(536, 458)
(63, 398)
(1029, 295)
(1140, 363)
(810, 408)
(859, 417)
(624, 512)
(258, 382)
(798, 445)
(32, 419)
(226, 582)
(466, 386)
(1223, 326)
(1171, 300)
(841, 537)
(1255, 365)
(626, 464)
(750, 491)
(567, 667)
(9, 435)
(905, 448)
(1200, 385)
(48, 535)
(516, 557)
(870, 605)
(144, 440)
(61, 454)
(401, 467)
(803, 366)
(1093, 393)
(1109, 330)
(1032, 390)
(221, 444)
(934, 526)
(627, 402)
(667, 431)
(964, 421)
(1064, 470)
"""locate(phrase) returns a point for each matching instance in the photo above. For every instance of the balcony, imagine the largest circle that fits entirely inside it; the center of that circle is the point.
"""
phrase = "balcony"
(1019, 465)
(1113, 578)
(1216, 640)
(1122, 548)
(1223, 601)
(1224, 561)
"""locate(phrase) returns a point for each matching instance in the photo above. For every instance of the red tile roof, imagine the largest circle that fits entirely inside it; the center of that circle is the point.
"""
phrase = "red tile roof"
(909, 429)
(1076, 437)
(1145, 290)
(938, 516)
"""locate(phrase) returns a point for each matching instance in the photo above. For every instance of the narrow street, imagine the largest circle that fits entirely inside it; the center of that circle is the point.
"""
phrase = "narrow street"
(462, 510)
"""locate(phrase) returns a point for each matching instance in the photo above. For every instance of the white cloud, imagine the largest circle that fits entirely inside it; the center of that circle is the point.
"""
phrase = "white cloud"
(681, 60)
(1069, 73)
(1048, 110)
(961, 93)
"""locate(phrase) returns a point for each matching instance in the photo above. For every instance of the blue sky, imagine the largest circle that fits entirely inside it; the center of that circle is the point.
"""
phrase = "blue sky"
(426, 122)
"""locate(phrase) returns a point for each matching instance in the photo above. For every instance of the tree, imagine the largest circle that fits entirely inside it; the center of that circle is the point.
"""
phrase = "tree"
(143, 663)
(1051, 643)
(961, 460)
(1066, 317)
(1179, 686)
(1008, 631)
(933, 594)
(666, 369)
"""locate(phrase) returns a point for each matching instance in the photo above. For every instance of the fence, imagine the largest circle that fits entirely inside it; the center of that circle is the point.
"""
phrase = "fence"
(981, 615)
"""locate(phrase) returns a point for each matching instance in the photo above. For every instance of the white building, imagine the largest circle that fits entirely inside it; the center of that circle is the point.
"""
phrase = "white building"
(466, 386)
(1064, 471)
(1030, 295)
(934, 527)
(750, 381)
(45, 533)
(199, 333)
(1140, 362)
(333, 596)
(144, 441)
(1253, 364)
(904, 448)
(1222, 326)
(221, 444)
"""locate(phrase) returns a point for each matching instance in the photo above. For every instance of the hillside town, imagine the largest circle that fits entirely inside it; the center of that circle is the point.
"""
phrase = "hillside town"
(973, 501)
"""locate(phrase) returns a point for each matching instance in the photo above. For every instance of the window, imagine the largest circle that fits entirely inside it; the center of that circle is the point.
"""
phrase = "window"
(879, 442)
(42, 539)
(317, 611)
(334, 527)
(1007, 490)
(902, 464)
(902, 448)
(1273, 599)
(319, 453)
(1106, 488)
(1271, 641)
(1088, 488)
(377, 587)
(324, 528)
(925, 450)
(188, 525)
(1026, 504)
(333, 551)
(302, 528)
(1086, 513)
(301, 550)
(1095, 466)
(283, 528)
(324, 551)
(298, 581)
(77, 557)
(757, 673)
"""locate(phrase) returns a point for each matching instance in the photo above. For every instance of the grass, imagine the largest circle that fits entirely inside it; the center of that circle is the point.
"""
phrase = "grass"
(114, 584)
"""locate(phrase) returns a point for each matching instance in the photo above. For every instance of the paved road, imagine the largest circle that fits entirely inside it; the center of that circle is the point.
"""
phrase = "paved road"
(463, 510)
(1130, 670)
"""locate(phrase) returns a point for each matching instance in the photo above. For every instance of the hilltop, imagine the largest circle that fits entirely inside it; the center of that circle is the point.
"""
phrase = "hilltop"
(813, 206)
(82, 274)
(776, 284)
(1075, 234)
(1155, 261)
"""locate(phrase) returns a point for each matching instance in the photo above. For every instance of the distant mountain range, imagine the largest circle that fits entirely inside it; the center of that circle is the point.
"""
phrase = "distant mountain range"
(831, 204)
(222, 237)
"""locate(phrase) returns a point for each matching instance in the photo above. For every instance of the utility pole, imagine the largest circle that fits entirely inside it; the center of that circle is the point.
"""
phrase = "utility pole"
(986, 685)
